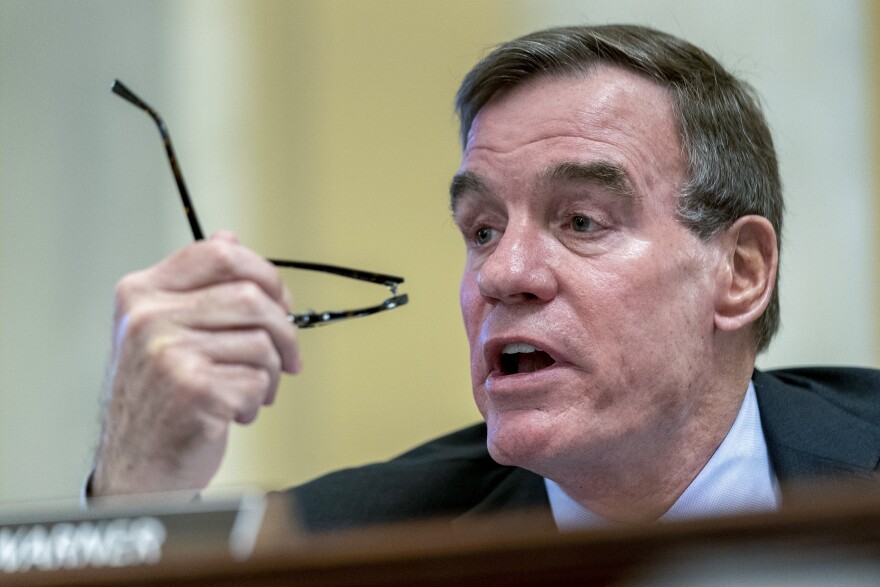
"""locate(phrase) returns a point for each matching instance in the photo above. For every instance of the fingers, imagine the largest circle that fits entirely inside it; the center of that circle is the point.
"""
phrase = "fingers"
(220, 285)
(191, 383)
(209, 395)
(219, 259)
(245, 360)
(217, 311)
(245, 390)
(200, 341)
(240, 305)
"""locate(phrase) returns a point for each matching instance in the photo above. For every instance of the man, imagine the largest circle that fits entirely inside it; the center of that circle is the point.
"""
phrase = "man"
(621, 206)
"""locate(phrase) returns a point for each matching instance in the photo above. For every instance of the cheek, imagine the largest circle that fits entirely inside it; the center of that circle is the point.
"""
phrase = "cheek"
(471, 306)
(664, 320)
(642, 303)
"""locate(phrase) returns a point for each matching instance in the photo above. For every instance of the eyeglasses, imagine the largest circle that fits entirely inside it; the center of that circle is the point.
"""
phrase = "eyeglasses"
(304, 320)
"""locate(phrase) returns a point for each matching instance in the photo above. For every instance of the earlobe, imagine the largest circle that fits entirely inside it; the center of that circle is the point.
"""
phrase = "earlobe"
(748, 275)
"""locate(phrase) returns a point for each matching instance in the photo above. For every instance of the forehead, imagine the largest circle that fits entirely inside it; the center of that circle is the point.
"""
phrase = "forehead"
(607, 114)
(604, 95)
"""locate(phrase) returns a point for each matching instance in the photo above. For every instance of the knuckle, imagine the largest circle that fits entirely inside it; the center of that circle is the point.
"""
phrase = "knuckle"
(194, 389)
(247, 416)
(271, 351)
(221, 255)
(255, 386)
(182, 374)
(141, 320)
(126, 290)
(263, 343)
(262, 380)
(277, 285)
(251, 297)
(258, 382)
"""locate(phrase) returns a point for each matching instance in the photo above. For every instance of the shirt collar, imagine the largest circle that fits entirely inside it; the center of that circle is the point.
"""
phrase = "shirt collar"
(737, 479)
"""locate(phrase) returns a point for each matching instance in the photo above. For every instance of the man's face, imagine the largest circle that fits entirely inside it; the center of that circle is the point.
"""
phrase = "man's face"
(587, 305)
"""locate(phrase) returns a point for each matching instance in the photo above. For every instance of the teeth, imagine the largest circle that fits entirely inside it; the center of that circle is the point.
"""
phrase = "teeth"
(517, 347)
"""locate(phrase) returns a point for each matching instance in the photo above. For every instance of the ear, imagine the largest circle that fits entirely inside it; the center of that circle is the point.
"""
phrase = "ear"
(747, 274)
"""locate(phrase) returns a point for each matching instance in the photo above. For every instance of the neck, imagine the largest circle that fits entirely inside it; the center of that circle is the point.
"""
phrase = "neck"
(639, 483)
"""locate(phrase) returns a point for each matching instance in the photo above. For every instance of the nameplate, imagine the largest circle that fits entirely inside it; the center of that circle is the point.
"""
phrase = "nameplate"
(132, 535)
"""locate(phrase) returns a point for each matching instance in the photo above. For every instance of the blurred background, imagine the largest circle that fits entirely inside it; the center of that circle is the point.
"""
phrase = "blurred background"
(324, 131)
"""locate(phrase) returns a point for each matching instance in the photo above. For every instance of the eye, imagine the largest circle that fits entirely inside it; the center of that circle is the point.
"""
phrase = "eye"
(483, 235)
(581, 223)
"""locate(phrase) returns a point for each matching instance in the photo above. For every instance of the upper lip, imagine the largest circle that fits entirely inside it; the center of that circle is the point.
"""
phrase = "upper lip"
(492, 349)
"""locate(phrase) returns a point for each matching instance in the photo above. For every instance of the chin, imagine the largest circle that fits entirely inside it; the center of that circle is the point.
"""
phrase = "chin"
(519, 441)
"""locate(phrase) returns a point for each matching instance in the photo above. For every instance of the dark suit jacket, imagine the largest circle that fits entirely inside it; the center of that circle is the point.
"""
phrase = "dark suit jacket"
(817, 422)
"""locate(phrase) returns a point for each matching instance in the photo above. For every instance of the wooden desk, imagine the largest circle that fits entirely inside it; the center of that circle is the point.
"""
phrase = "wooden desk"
(842, 524)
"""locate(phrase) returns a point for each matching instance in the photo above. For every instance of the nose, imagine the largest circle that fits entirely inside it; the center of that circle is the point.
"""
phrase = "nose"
(519, 269)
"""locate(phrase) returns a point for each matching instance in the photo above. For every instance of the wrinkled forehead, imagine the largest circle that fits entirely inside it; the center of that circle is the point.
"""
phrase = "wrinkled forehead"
(603, 73)
(607, 118)
(604, 102)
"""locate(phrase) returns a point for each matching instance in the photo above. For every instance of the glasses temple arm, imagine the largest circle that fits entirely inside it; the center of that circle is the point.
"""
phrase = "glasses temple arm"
(122, 91)
(391, 281)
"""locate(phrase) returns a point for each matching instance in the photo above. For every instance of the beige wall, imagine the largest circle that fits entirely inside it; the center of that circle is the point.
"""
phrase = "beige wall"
(323, 130)
(874, 64)
(354, 144)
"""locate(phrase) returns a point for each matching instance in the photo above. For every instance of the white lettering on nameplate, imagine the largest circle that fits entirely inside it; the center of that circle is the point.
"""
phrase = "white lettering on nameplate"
(73, 545)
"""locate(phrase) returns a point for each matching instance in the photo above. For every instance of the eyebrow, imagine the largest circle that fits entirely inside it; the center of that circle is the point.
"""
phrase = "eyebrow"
(606, 174)
(463, 182)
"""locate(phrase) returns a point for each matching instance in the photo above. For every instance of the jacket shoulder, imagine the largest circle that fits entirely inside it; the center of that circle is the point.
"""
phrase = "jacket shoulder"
(821, 421)
(445, 477)
(854, 390)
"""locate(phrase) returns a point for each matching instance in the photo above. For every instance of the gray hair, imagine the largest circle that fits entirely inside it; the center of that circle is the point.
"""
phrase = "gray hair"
(733, 170)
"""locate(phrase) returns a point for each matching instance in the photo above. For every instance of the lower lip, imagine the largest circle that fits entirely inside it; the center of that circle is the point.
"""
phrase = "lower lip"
(497, 383)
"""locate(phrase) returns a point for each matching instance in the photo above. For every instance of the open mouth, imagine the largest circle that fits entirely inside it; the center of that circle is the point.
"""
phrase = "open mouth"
(523, 358)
